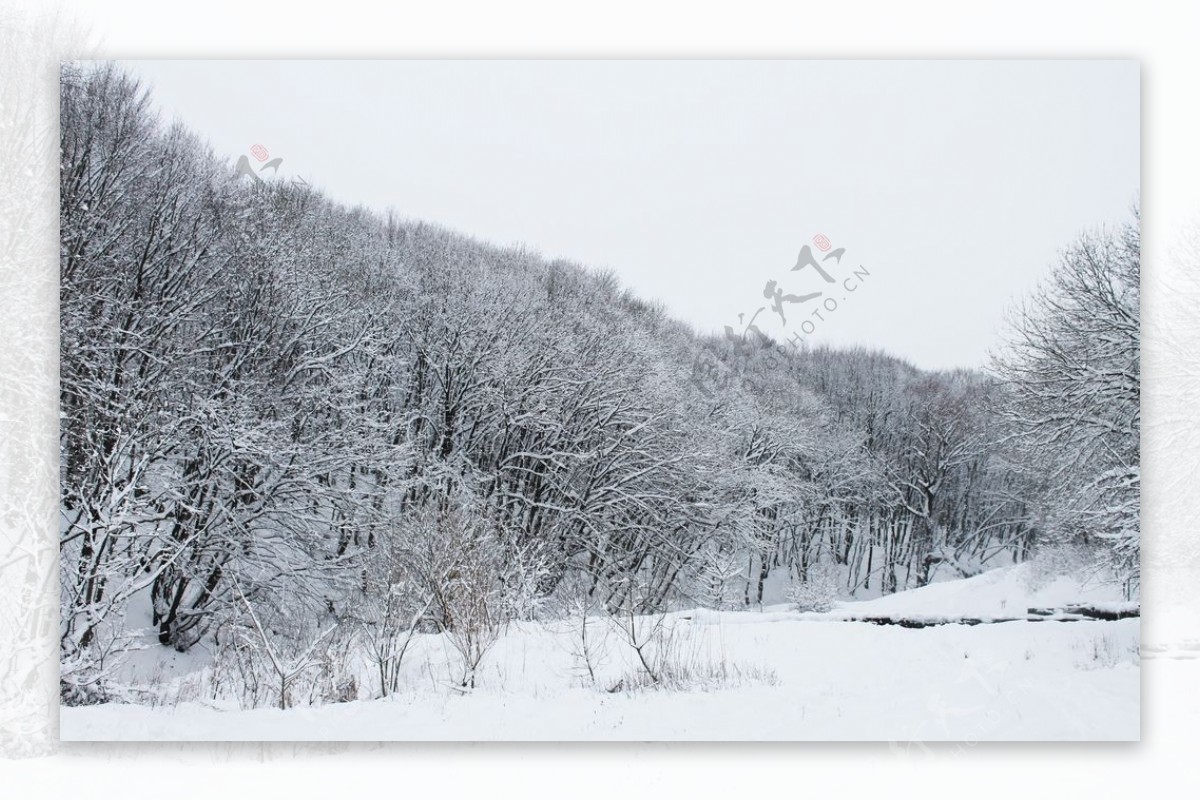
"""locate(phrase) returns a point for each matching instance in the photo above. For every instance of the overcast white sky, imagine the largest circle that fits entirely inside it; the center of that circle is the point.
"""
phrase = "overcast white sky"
(954, 183)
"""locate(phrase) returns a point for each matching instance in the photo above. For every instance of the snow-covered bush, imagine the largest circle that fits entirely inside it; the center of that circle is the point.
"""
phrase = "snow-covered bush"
(719, 579)
(818, 593)
(1080, 562)
(588, 632)
(672, 654)
(458, 559)
(89, 675)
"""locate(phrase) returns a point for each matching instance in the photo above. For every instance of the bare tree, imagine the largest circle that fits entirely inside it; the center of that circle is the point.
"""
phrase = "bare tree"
(1073, 373)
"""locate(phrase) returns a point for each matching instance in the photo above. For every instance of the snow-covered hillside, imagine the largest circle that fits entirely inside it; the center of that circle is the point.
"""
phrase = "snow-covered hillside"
(391, 480)
(773, 674)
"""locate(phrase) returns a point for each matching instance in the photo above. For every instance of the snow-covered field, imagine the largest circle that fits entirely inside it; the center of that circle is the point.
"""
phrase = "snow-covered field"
(773, 674)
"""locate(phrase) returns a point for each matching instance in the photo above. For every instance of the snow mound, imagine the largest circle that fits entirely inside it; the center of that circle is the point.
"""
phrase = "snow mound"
(1003, 592)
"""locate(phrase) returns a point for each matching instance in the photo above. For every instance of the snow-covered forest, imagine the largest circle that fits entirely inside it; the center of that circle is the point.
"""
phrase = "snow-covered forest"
(305, 447)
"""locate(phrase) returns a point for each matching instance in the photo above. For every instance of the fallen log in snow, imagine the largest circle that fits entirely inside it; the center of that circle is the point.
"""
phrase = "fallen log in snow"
(1066, 614)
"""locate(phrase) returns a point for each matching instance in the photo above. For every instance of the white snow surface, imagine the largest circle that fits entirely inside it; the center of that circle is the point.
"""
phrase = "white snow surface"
(1003, 593)
(788, 676)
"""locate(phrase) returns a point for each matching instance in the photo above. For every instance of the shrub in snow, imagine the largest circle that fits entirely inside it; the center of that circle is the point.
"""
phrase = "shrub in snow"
(703, 676)
(1080, 562)
(719, 577)
(457, 568)
(589, 633)
(673, 655)
(1106, 651)
(818, 592)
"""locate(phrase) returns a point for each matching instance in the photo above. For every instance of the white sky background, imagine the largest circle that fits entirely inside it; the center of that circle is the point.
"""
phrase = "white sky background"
(955, 183)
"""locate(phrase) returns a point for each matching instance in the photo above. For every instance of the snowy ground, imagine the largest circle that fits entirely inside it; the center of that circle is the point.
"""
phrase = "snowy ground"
(786, 676)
